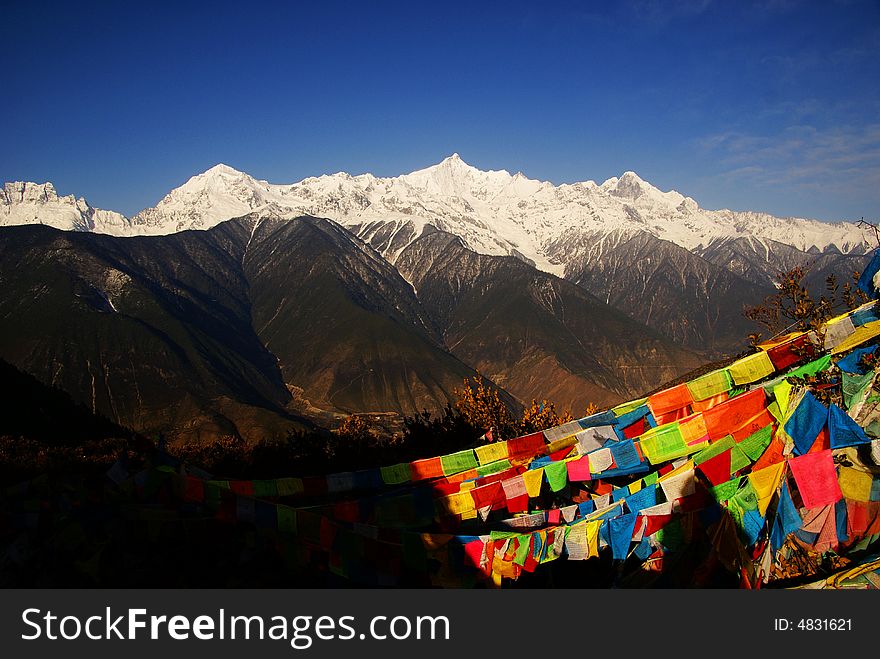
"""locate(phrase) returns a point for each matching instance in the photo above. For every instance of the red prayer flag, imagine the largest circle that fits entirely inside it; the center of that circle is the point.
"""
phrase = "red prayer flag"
(816, 478)
(526, 446)
(717, 469)
(518, 504)
(635, 429)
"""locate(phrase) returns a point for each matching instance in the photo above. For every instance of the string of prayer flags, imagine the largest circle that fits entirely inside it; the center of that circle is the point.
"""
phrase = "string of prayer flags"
(488, 496)
(816, 479)
(626, 408)
(782, 394)
(738, 459)
(751, 368)
(492, 468)
(855, 388)
(710, 385)
(806, 422)
(762, 419)
(755, 444)
(791, 352)
(850, 363)
(716, 448)
(787, 519)
(694, 432)
(725, 491)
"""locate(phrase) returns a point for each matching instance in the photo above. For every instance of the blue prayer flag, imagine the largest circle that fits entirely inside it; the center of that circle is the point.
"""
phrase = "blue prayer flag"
(840, 516)
(621, 534)
(843, 430)
(806, 422)
(866, 281)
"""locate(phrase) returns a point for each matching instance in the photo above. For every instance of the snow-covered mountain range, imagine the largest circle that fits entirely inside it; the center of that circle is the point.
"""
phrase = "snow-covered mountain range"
(494, 212)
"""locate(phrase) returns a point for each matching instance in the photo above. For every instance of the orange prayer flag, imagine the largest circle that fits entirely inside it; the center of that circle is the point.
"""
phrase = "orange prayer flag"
(669, 400)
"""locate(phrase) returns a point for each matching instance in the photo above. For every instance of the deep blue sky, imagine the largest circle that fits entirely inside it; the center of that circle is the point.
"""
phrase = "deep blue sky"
(771, 105)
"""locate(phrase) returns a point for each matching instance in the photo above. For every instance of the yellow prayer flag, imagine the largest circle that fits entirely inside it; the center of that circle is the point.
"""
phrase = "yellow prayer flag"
(635, 487)
(693, 430)
(855, 484)
(864, 333)
(765, 481)
(593, 538)
(751, 368)
(456, 504)
(533, 479)
(491, 452)
(782, 392)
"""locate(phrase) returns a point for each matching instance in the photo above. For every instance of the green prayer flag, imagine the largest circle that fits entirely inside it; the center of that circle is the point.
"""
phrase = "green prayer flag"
(747, 498)
(286, 519)
(738, 459)
(725, 443)
(671, 536)
(459, 462)
(755, 444)
(265, 488)
(855, 386)
(710, 384)
(288, 487)
(664, 443)
(650, 479)
(522, 551)
(396, 474)
(557, 475)
(726, 490)
(493, 467)
(810, 369)
(773, 408)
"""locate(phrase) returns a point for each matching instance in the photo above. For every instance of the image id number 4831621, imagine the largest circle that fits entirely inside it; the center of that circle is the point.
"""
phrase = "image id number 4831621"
(813, 625)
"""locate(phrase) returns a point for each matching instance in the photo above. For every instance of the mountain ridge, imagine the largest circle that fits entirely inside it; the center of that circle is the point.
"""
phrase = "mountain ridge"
(495, 212)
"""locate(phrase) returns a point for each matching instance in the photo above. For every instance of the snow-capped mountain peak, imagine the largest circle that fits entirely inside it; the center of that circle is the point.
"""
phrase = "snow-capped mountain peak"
(493, 212)
(23, 202)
